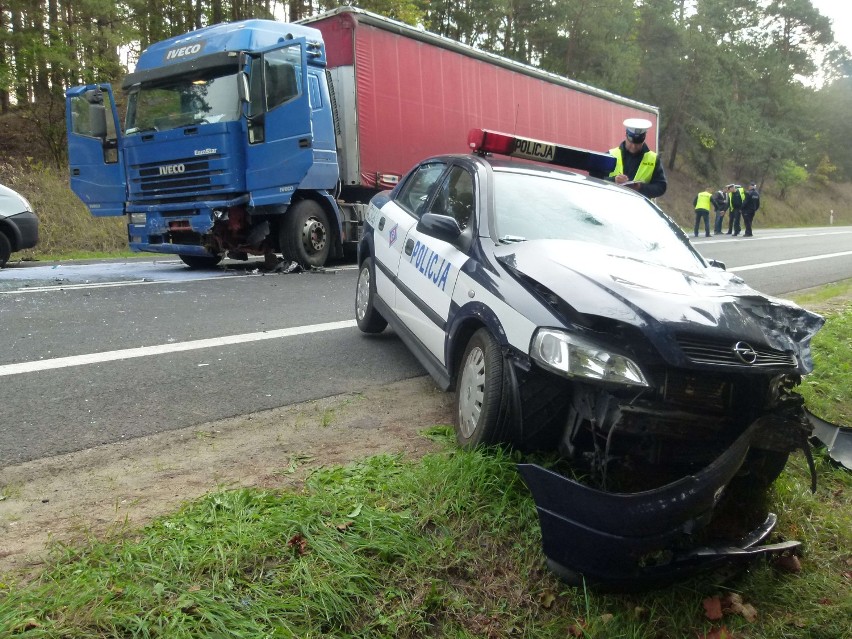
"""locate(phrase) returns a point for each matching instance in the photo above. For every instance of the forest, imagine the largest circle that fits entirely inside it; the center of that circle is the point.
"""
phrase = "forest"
(746, 88)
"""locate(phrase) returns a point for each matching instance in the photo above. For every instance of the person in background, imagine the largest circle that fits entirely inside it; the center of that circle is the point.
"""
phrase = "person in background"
(720, 206)
(701, 203)
(636, 166)
(750, 206)
(736, 197)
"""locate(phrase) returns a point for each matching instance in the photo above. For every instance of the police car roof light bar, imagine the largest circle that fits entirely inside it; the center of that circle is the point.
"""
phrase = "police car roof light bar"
(483, 141)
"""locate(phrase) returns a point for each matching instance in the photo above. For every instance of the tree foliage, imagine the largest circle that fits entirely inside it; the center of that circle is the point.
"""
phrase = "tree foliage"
(742, 85)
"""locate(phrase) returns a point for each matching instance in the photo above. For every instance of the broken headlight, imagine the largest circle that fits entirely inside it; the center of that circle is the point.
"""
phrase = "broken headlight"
(574, 356)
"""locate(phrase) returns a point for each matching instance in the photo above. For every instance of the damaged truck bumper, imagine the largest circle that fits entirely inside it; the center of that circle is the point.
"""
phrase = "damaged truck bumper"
(630, 541)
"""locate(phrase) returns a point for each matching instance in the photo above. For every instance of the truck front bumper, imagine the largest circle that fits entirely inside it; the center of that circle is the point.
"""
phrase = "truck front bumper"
(629, 541)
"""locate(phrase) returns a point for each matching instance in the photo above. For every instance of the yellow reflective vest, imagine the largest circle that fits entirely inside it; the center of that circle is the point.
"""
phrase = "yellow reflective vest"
(703, 201)
(645, 170)
(741, 191)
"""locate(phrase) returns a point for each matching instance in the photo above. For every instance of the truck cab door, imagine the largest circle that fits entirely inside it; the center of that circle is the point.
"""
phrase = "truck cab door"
(95, 161)
(280, 136)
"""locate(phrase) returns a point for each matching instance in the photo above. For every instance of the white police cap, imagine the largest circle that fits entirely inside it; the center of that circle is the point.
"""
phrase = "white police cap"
(637, 125)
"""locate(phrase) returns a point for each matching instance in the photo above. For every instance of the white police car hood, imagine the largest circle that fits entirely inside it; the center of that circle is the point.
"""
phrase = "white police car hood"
(660, 300)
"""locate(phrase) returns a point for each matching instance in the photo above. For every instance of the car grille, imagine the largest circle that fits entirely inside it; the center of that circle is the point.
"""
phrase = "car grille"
(721, 353)
(698, 392)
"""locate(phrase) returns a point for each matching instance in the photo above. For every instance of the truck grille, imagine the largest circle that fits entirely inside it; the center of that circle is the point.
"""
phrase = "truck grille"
(177, 180)
(722, 353)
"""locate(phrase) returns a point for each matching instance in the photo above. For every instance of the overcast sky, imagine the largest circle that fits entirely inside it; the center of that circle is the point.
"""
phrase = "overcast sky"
(841, 19)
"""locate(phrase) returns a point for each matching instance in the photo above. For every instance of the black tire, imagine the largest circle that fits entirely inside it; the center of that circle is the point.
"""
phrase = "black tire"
(5, 249)
(305, 235)
(201, 261)
(478, 393)
(368, 318)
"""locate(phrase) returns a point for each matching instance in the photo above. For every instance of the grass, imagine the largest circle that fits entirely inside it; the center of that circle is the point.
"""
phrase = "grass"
(446, 546)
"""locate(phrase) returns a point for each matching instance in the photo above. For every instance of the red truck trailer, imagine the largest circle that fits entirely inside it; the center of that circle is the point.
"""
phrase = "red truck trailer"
(403, 94)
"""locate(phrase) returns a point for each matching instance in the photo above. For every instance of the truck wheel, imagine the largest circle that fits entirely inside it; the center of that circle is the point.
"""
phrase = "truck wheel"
(200, 261)
(368, 318)
(305, 234)
(5, 249)
(478, 392)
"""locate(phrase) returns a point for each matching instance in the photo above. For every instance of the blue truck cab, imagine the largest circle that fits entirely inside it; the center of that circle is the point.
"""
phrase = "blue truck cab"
(228, 146)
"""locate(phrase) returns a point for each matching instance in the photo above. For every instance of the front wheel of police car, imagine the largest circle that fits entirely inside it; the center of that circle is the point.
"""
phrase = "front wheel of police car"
(368, 318)
(478, 393)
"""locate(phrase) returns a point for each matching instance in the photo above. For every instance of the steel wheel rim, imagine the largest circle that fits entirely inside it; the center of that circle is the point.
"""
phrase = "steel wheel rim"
(362, 295)
(471, 391)
(314, 235)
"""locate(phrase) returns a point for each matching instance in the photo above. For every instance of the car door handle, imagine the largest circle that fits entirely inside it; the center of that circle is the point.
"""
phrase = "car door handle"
(409, 247)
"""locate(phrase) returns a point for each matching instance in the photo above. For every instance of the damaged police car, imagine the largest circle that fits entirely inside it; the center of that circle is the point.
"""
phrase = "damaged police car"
(573, 315)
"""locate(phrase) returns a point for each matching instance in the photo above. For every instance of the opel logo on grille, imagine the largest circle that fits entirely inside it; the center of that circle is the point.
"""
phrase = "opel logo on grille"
(745, 353)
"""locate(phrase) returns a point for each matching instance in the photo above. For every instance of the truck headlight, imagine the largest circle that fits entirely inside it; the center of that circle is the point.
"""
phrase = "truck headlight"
(574, 356)
(138, 218)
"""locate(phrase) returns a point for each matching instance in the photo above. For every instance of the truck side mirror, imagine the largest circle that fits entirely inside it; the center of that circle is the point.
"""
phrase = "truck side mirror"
(243, 86)
(97, 121)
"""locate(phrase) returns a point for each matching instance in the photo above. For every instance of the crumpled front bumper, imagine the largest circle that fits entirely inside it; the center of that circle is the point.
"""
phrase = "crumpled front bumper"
(629, 541)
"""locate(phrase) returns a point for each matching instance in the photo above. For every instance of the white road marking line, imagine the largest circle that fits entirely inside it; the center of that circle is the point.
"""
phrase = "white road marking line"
(752, 267)
(162, 349)
(90, 285)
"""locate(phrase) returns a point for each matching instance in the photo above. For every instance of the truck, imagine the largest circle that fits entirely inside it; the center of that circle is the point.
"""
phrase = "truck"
(260, 137)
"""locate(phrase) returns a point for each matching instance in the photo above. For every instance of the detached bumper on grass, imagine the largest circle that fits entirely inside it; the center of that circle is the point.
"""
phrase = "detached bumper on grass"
(628, 541)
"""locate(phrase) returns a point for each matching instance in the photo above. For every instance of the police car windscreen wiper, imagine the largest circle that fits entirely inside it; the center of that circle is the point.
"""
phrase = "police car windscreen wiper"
(508, 239)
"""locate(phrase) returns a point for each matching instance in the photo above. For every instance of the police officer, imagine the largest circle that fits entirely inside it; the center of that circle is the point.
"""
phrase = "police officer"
(750, 206)
(736, 196)
(636, 165)
(701, 203)
(720, 206)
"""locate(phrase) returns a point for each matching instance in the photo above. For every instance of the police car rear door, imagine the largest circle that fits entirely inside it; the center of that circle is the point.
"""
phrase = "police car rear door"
(429, 266)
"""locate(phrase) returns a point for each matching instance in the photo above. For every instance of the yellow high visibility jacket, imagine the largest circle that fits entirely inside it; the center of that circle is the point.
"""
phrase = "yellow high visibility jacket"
(703, 201)
(645, 170)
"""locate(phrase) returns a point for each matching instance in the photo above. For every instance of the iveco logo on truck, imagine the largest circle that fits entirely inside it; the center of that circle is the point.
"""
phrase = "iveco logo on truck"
(182, 52)
(172, 169)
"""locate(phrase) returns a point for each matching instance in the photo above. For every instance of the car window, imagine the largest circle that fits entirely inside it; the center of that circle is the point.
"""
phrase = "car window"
(455, 197)
(414, 192)
(529, 207)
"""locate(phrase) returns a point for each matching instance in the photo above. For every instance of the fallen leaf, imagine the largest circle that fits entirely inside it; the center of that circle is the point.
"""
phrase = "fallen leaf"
(606, 618)
(546, 599)
(847, 574)
(194, 588)
(712, 608)
(577, 629)
(299, 543)
(788, 563)
(346, 525)
(718, 633)
(640, 612)
(749, 612)
(825, 601)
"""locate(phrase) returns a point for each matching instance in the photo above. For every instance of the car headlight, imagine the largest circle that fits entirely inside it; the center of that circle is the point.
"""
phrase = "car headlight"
(138, 218)
(574, 356)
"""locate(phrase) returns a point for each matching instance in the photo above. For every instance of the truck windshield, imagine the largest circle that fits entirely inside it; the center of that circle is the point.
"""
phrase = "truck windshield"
(183, 102)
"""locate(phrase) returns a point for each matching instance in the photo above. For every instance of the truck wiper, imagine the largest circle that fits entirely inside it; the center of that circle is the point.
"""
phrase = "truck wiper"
(512, 238)
(133, 130)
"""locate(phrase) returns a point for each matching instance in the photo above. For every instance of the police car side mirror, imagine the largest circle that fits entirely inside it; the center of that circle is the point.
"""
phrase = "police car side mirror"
(717, 264)
(442, 227)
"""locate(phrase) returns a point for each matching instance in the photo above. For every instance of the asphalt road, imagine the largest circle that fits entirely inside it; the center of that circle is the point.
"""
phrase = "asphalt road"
(100, 352)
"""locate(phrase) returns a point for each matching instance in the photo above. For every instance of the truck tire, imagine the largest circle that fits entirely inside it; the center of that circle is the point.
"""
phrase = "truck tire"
(368, 318)
(305, 234)
(478, 393)
(5, 249)
(200, 261)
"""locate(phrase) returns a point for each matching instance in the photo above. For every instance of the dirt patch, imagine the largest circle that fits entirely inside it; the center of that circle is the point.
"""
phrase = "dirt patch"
(66, 497)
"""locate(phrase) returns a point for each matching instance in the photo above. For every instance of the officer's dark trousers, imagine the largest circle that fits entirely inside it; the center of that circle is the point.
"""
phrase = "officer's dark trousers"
(702, 214)
(720, 219)
(734, 222)
(748, 216)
